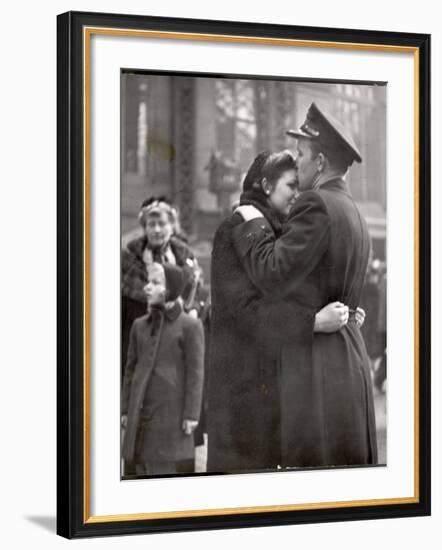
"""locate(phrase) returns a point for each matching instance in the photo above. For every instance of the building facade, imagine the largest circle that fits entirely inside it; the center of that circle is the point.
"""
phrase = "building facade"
(192, 140)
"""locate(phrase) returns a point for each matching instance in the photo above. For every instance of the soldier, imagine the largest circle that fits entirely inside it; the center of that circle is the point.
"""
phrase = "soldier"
(327, 408)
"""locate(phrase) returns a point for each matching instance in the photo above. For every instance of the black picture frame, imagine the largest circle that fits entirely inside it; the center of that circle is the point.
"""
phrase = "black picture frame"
(73, 519)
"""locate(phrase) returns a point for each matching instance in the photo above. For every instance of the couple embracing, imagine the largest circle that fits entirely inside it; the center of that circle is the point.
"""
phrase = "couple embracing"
(289, 379)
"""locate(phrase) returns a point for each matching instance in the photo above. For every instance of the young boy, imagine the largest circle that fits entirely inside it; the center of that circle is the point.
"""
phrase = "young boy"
(163, 381)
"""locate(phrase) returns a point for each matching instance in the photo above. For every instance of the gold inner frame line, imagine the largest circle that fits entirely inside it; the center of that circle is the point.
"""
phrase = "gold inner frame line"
(87, 33)
(203, 37)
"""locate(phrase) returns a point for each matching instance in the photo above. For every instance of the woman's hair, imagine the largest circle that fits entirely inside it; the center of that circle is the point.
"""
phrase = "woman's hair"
(254, 173)
(157, 205)
(277, 164)
(270, 166)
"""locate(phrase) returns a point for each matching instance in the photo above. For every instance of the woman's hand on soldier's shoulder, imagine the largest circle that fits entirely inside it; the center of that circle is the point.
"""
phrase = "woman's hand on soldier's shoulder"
(248, 212)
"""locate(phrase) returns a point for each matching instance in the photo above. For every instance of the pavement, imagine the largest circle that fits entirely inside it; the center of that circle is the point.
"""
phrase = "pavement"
(380, 403)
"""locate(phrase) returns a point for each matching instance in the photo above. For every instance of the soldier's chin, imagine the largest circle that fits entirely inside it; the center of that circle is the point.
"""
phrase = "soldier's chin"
(283, 212)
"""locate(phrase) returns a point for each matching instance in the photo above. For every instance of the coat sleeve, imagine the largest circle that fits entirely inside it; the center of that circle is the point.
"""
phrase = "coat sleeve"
(129, 369)
(194, 365)
(292, 256)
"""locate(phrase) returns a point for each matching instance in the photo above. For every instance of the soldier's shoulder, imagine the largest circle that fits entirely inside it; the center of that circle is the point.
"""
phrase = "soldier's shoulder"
(313, 198)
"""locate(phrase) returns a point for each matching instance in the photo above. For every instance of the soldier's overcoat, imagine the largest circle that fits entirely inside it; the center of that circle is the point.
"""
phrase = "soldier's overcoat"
(327, 408)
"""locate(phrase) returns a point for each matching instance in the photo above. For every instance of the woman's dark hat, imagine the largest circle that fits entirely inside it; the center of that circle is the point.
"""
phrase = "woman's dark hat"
(329, 132)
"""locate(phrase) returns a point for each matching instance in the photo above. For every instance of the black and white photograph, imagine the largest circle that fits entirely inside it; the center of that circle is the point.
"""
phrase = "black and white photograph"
(203, 203)
(231, 196)
(253, 274)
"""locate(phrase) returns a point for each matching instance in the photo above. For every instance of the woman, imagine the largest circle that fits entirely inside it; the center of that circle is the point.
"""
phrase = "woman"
(159, 243)
(243, 408)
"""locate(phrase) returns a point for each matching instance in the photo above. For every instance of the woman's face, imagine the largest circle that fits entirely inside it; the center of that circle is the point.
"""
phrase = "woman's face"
(284, 192)
(158, 229)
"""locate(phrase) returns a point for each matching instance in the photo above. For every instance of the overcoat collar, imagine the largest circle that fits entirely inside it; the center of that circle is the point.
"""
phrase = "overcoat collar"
(170, 313)
(336, 184)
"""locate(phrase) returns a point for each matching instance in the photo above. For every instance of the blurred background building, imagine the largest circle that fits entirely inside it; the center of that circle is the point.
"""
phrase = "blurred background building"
(192, 140)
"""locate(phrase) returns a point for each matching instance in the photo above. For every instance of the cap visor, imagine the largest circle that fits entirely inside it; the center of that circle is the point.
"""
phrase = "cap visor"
(298, 134)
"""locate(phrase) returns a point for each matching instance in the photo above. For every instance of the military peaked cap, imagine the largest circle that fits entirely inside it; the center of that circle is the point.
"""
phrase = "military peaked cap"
(329, 133)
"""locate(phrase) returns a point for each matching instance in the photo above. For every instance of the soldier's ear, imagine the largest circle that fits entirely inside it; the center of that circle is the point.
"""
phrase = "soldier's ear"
(321, 162)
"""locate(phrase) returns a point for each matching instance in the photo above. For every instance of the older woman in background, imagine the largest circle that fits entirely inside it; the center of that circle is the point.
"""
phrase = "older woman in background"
(161, 242)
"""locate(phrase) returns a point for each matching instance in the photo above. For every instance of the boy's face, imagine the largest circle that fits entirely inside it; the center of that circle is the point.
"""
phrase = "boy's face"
(155, 289)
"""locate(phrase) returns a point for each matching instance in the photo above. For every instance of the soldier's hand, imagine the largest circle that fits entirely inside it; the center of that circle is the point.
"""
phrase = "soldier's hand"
(189, 426)
(331, 318)
(124, 420)
(248, 212)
